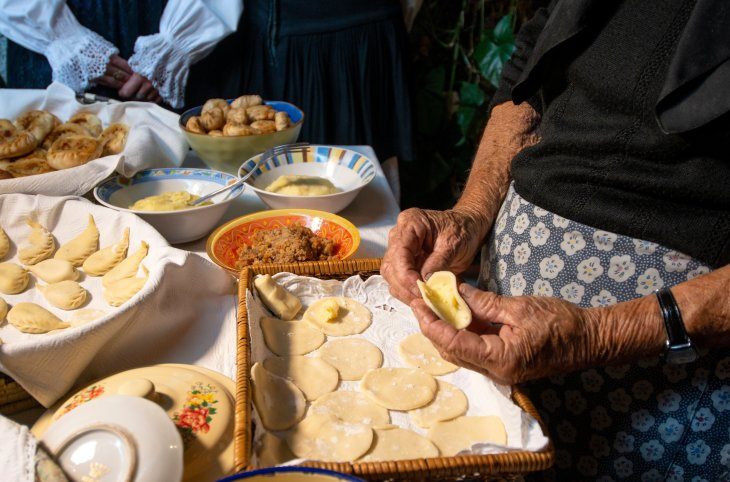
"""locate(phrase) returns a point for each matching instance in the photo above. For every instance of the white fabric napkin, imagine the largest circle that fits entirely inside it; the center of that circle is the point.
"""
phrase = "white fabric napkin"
(17, 452)
(154, 139)
(181, 315)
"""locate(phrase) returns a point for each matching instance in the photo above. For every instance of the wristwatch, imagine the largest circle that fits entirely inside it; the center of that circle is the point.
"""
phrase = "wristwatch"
(679, 349)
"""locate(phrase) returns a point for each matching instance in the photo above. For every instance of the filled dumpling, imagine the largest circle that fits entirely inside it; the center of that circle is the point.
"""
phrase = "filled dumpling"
(40, 244)
(3, 310)
(120, 291)
(82, 246)
(13, 278)
(105, 259)
(66, 295)
(31, 318)
(54, 270)
(441, 294)
(4, 244)
(127, 268)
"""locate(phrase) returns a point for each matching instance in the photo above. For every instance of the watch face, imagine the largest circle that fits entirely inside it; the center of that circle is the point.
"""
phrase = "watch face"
(681, 355)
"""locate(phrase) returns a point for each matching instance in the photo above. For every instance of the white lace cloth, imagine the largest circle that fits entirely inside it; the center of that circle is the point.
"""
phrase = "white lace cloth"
(189, 29)
(17, 452)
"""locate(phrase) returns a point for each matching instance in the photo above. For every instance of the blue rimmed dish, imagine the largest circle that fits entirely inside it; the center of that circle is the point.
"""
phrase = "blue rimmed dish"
(292, 474)
(348, 170)
(226, 153)
(181, 226)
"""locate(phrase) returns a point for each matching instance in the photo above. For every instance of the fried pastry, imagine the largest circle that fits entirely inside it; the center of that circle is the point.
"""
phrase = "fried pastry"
(281, 120)
(64, 130)
(263, 126)
(26, 120)
(87, 120)
(42, 125)
(216, 133)
(237, 117)
(72, 151)
(29, 166)
(113, 139)
(7, 129)
(212, 103)
(5, 174)
(236, 130)
(261, 112)
(82, 246)
(246, 101)
(40, 244)
(212, 120)
(193, 125)
(17, 145)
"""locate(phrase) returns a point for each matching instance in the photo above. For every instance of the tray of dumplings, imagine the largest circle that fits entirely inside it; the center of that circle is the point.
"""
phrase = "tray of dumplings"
(340, 377)
(65, 263)
(50, 144)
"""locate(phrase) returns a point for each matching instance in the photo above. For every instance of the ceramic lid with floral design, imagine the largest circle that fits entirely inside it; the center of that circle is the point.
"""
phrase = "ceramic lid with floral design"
(200, 403)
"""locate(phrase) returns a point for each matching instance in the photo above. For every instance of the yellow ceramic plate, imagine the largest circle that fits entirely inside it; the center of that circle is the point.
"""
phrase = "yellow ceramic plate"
(226, 241)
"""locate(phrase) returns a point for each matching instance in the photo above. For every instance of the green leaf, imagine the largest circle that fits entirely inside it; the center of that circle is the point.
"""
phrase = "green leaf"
(464, 118)
(212, 411)
(208, 419)
(471, 94)
(502, 33)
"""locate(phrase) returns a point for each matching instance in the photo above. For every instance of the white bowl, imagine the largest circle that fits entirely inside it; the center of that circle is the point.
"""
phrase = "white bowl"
(348, 170)
(176, 226)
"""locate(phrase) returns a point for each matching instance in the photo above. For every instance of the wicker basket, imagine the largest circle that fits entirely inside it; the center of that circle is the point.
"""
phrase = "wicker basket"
(485, 467)
(13, 397)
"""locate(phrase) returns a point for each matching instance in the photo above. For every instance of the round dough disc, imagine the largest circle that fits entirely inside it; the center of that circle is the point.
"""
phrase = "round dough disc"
(352, 357)
(417, 351)
(323, 437)
(453, 436)
(399, 444)
(290, 337)
(279, 402)
(352, 318)
(399, 388)
(450, 402)
(313, 376)
(273, 451)
(352, 407)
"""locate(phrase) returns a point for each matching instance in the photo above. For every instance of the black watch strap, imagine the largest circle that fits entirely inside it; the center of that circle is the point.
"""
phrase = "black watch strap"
(679, 346)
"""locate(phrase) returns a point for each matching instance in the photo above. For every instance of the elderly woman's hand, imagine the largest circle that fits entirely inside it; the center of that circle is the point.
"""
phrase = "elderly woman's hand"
(512, 340)
(423, 242)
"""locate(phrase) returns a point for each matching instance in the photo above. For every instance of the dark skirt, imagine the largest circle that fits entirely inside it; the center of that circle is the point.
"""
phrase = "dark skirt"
(118, 21)
(342, 62)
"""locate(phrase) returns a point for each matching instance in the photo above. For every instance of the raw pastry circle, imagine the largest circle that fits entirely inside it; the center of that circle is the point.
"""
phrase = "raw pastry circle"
(399, 444)
(353, 317)
(105, 259)
(13, 278)
(399, 388)
(31, 318)
(82, 246)
(314, 377)
(40, 244)
(66, 295)
(279, 402)
(352, 407)
(450, 402)
(54, 270)
(453, 436)
(4, 244)
(127, 268)
(296, 337)
(352, 357)
(417, 351)
(273, 451)
(322, 437)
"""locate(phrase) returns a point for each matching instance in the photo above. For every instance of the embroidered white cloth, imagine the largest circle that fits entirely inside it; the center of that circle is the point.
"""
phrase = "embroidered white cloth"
(17, 452)
(185, 312)
(189, 29)
(154, 139)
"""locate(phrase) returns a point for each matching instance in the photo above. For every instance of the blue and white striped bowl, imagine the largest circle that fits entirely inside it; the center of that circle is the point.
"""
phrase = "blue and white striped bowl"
(348, 170)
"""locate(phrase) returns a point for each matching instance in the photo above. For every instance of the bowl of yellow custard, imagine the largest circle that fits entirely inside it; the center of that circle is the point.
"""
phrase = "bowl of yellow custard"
(325, 178)
(162, 197)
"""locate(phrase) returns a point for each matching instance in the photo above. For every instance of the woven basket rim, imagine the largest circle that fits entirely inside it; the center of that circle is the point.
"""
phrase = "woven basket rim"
(505, 463)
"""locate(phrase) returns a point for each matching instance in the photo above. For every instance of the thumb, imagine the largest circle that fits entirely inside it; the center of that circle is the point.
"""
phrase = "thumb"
(440, 259)
(484, 305)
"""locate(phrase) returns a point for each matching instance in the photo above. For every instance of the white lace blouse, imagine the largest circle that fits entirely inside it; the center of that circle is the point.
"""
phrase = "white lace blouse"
(189, 29)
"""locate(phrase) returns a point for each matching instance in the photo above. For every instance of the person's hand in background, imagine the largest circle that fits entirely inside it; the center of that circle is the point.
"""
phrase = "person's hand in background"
(424, 241)
(117, 73)
(138, 87)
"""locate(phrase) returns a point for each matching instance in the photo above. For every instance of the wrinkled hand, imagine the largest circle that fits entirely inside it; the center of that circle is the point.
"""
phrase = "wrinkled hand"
(138, 87)
(423, 242)
(512, 340)
(117, 73)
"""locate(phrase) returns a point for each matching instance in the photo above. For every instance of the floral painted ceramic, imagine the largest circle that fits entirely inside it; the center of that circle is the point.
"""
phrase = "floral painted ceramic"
(226, 241)
(199, 402)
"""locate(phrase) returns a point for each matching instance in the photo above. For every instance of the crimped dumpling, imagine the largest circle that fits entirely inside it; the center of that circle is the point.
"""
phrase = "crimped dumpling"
(127, 268)
(4, 244)
(40, 244)
(82, 246)
(54, 270)
(120, 291)
(13, 278)
(104, 260)
(66, 295)
(31, 318)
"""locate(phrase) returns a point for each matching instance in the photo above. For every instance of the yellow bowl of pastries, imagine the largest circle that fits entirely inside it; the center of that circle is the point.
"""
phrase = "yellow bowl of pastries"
(38, 142)
(224, 133)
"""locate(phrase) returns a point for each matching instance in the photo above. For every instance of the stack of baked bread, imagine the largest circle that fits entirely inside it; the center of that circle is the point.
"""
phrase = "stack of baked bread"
(37, 142)
(245, 116)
